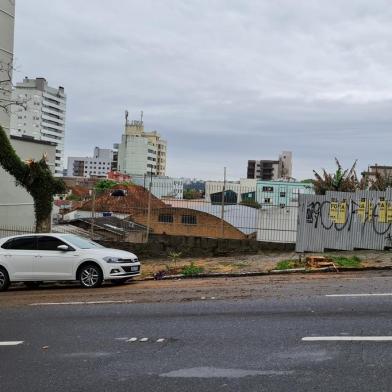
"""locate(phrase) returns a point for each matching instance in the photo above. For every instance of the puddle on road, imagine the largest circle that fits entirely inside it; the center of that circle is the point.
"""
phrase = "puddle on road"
(211, 372)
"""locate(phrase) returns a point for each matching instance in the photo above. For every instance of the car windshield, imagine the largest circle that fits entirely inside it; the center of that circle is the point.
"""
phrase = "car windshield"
(82, 243)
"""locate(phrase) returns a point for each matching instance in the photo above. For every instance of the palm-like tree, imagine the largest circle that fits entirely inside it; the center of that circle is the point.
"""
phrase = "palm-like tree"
(341, 180)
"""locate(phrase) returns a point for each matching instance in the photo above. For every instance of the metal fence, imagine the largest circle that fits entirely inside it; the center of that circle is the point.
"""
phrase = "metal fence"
(221, 211)
(345, 221)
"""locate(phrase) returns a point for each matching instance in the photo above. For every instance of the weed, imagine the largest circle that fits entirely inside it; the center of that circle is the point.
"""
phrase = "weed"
(192, 269)
(341, 261)
(288, 264)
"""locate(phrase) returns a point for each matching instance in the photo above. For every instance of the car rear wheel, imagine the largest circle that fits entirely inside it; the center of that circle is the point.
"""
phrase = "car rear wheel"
(90, 276)
(32, 285)
(118, 282)
(4, 279)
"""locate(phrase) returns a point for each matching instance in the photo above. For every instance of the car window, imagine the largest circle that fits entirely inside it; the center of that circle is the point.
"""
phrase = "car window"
(21, 243)
(49, 243)
(82, 243)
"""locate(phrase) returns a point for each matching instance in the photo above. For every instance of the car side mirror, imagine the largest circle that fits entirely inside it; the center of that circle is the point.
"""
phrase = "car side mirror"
(63, 248)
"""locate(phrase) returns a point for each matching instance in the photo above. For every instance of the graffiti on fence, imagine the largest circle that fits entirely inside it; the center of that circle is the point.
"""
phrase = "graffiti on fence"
(339, 215)
(345, 221)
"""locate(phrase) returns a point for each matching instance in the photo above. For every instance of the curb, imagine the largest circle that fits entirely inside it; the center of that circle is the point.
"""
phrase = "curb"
(272, 272)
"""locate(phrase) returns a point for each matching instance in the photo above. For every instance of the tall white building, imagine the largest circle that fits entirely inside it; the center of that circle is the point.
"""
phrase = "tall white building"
(16, 205)
(96, 166)
(7, 16)
(43, 115)
(141, 152)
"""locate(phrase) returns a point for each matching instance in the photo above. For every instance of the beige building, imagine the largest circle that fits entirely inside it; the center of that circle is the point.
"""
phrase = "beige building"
(141, 152)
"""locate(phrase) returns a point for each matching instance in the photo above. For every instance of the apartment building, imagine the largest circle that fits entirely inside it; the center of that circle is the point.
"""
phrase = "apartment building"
(141, 152)
(99, 165)
(281, 193)
(42, 116)
(271, 169)
(7, 16)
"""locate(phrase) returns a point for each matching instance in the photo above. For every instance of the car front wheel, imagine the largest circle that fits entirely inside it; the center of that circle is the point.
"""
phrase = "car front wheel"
(4, 279)
(90, 276)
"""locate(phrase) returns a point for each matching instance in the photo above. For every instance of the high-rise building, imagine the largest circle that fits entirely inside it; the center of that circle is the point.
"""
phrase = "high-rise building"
(141, 152)
(7, 16)
(99, 165)
(271, 169)
(16, 205)
(42, 116)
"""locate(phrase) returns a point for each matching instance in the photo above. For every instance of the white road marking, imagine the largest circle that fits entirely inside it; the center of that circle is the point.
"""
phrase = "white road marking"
(81, 303)
(11, 343)
(160, 340)
(347, 338)
(132, 340)
(361, 295)
(143, 340)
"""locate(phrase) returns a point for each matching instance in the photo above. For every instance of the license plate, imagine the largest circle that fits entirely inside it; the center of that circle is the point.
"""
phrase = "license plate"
(135, 268)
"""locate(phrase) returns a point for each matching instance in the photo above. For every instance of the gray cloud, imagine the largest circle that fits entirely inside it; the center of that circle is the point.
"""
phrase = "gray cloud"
(223, 81)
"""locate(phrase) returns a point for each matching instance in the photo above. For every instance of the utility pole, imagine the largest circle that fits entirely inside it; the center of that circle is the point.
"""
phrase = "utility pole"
(223, 204)
(92, 213)
(149, 208)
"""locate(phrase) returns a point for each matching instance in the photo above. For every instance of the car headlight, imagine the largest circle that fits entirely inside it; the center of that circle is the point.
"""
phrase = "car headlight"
(112, 259)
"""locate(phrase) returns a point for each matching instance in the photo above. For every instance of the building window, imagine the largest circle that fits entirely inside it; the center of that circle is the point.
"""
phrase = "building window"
(165, 218)
(188, 219)
(268, 188)
(282, 194)
(267, 200)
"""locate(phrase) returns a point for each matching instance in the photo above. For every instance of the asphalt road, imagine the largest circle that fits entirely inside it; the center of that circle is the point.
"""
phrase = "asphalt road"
(206, 345)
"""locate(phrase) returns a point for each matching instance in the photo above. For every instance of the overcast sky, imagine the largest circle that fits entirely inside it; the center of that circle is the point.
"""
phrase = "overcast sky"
(223, 81)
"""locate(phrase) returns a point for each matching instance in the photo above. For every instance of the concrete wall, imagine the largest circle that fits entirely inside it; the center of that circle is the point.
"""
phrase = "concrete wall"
(160, 246)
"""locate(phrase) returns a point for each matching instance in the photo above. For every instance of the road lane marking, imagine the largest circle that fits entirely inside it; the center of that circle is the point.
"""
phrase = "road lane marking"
(11, 343)
(347, 338)
(160, 340)
(143, 340)
(81, 303)
(361, 295)
(132, 340)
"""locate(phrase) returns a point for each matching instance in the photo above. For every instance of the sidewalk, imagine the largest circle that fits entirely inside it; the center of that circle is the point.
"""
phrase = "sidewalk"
(254, 263)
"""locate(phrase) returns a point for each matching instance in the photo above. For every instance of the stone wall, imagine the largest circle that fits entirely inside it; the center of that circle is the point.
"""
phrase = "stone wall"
(162, 245)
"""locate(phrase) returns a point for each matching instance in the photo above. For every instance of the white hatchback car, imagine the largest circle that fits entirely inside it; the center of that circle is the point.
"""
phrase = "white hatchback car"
(36, 258)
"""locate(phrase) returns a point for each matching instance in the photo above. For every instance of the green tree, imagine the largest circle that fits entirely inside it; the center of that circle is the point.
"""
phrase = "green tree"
(36, 178)
(192, 194)
(104, 185)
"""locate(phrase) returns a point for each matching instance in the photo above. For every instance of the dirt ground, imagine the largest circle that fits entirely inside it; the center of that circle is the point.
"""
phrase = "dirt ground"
(254, 263)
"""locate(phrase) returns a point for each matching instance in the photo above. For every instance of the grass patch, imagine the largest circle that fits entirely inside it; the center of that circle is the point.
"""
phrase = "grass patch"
(341, 261)
(288, 264)
(192, 269)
